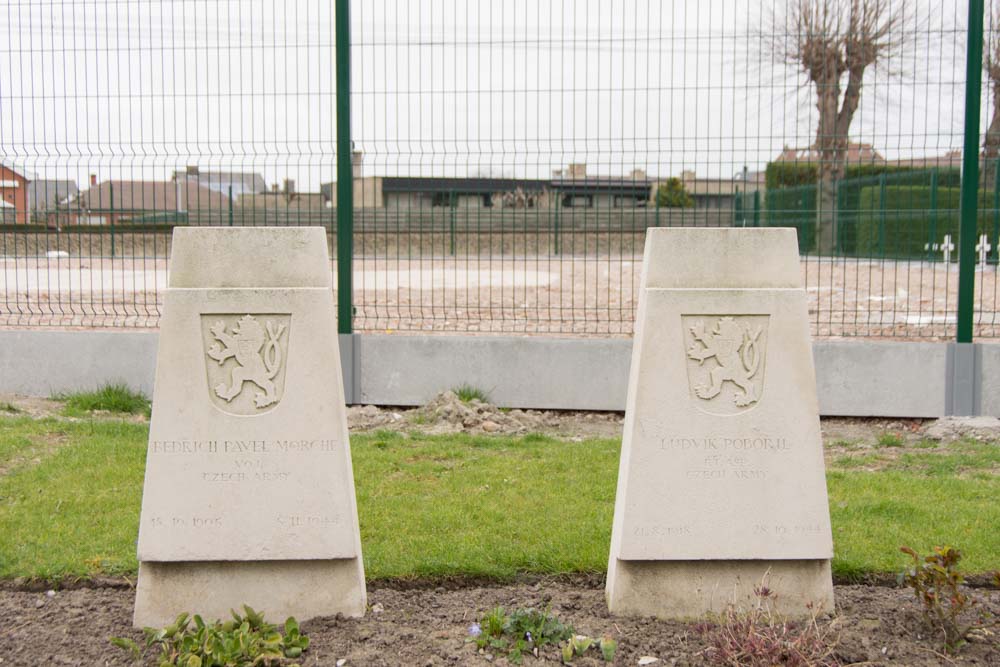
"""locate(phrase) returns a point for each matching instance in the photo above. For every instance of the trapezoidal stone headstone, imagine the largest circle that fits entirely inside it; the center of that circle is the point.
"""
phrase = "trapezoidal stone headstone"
(249, 491)
(721, 485)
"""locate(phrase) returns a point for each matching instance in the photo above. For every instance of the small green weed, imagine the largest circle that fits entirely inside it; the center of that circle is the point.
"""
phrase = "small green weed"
(527, 630)
(112, 397)
(578, 645)
(467, 393)
(926, 444)
(945, 603)
(7, 406)
(244, 641)
(890, 440)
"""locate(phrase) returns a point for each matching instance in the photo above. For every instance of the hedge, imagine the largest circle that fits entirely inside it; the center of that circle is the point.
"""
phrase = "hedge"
(794, 174)
(908, 222)
(793, 207)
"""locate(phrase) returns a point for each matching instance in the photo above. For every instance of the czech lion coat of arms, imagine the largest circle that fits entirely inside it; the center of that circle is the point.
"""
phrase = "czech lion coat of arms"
(245, 359)
(725, 356)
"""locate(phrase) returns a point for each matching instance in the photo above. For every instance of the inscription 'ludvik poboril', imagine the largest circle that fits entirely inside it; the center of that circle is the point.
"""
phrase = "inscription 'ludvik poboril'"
(242, 446)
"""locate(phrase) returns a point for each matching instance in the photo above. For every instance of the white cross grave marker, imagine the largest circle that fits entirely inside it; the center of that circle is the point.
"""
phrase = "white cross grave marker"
(983, 248)
(947, 247)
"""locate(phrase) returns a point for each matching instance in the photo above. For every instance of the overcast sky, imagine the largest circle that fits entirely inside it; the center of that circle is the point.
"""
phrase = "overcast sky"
(135, 89)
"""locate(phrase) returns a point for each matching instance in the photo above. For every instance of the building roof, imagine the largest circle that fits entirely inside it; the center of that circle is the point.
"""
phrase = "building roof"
(151, 196)
(473, 185)
(602, 184)
(242, 183)
(23, 173)
(705, 187)
(949, 159)
(857, 153)
(46, 193)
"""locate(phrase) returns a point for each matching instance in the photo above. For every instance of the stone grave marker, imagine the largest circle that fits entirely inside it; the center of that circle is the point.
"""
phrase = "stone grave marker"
(249, 492)
(721, 485)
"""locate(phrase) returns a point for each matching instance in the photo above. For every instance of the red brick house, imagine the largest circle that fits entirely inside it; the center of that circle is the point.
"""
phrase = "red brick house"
(13, 196)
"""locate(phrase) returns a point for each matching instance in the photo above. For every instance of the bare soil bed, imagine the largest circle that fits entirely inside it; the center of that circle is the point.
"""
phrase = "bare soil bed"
(427, 624)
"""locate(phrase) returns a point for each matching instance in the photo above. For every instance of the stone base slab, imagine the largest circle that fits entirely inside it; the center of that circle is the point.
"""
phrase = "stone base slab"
(301, 588)
(689, 589)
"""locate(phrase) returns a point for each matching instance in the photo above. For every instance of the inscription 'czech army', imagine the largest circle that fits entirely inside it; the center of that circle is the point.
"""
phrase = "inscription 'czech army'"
(244, 350)
(734, 381)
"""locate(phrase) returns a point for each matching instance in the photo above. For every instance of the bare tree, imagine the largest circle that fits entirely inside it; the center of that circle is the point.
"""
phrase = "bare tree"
(835, 43)
(991, 66)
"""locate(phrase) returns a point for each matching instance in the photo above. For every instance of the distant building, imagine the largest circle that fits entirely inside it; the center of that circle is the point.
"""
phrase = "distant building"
(417, 193)
(857, 153)
(224, 182)
(717, 193)
(13, 196)
(141, 201)
(285, 199)
(573, 188)
(951, 159)
(570, 189)
(45, 195)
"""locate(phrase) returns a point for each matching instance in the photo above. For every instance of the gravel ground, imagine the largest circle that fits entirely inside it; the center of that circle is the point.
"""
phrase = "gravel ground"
(569, 295)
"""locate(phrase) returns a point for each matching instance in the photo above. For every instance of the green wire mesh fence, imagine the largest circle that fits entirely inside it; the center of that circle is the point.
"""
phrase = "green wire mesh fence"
(507, 156)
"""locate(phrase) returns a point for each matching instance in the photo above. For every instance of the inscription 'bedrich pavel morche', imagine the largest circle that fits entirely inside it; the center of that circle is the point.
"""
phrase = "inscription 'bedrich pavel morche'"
(242, 446)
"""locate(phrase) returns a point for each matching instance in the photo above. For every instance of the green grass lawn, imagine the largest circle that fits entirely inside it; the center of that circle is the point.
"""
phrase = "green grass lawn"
(466, 505)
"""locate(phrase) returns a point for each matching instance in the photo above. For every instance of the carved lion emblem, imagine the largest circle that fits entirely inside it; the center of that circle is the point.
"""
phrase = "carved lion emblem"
(737, 347)
(258, 349)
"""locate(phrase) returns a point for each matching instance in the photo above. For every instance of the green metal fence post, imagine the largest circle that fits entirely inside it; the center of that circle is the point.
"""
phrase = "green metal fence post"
(345, 178)
(756, 208)
(934, 206)
(970, 174)
(555, 228)
(230, 206)
(738, 218)
(453, 201)
(111, 215)
(881, 215)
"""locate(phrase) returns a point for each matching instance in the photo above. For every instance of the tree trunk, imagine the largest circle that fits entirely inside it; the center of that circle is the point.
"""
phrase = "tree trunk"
(831, 148)
(991, 144)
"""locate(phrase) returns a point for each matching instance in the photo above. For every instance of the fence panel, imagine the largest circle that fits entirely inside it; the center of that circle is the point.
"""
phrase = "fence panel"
(507, 157)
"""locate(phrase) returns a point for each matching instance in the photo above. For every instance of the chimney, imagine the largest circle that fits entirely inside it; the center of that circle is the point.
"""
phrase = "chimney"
(289, 186)
(638, 174)
(93, 180)
(192, 170)
(178, 196)
(274, 188)
(577, 169)
(357, 157)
